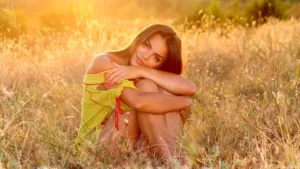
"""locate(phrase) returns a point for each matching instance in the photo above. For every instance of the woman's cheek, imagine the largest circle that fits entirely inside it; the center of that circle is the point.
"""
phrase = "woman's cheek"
(133, 61)
(154, 65)
(142, 49)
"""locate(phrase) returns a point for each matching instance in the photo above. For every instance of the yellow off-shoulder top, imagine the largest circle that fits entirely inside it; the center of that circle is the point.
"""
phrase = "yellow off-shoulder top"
(97, 107)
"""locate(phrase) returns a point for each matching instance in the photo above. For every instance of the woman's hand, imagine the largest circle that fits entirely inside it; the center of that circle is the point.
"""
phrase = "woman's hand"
(184, 113)
(116, 75)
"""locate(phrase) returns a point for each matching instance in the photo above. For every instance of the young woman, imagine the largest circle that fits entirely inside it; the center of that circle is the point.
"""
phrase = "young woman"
(137, 90)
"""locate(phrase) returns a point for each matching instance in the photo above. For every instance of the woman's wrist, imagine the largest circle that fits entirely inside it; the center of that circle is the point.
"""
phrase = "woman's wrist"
(143, 72)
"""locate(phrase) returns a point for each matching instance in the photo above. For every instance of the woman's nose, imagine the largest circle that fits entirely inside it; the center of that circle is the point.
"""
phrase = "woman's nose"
(146, 56)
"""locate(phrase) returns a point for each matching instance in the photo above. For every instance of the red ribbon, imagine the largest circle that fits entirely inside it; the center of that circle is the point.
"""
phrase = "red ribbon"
(118, 109)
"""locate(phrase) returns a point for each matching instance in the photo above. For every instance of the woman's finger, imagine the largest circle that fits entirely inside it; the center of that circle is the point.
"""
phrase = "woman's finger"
(118, 79)
(113, 74)
(111, 81)
(109, 73)
(184, 114)
(182, 118)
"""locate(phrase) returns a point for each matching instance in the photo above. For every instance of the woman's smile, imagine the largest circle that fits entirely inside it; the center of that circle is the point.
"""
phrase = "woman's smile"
(139, 61)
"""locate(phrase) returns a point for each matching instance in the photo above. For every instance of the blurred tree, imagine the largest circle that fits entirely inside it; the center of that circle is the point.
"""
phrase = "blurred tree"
(295, 10)
(215, 9)
(191, 17)
(237, 11)
(234, 10)
(259, 10)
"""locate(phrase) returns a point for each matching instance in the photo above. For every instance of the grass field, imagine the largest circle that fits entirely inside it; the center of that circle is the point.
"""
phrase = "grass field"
(245, 113)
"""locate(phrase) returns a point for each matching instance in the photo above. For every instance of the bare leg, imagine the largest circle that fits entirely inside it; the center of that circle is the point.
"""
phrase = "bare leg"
(161, 131)
(110, 136)
(175, 131)
(128, 130)
(175, 128)
(156, 134)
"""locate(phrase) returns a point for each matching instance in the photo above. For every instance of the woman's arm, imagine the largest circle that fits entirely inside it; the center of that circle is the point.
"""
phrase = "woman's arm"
(153, 102)
(141, 101)
(173, 83)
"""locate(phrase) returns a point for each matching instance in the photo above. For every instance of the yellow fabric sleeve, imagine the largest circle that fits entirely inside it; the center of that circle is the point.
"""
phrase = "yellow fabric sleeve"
(108, 97)
(97, 105)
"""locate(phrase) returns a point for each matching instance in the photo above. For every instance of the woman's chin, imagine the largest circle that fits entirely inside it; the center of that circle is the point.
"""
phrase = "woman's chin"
(134, 63)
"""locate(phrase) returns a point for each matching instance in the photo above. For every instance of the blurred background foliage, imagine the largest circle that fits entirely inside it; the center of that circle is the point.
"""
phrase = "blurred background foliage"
(19, 16)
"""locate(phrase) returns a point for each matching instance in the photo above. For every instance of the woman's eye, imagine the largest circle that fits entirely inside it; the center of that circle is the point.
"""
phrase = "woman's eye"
(145, 43)
(157, 59)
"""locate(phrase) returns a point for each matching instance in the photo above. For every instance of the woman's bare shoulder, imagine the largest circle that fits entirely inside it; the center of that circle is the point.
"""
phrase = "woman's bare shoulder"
(100, 63)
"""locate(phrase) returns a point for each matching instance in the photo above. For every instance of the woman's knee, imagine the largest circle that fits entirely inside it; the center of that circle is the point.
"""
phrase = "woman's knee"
(147, 85)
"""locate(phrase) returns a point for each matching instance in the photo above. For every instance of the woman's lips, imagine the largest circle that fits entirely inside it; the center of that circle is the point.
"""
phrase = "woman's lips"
(138, 61)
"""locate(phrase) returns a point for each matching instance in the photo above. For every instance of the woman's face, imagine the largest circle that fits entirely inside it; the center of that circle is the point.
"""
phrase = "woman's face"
(150, 53)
